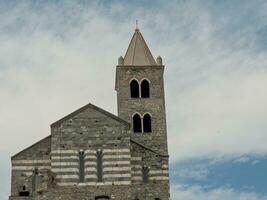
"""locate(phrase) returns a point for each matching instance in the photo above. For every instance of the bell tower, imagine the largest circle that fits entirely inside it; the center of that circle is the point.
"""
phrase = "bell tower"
(140, 94)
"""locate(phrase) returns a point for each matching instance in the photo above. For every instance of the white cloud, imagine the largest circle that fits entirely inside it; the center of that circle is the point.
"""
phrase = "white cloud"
(222, 116)
(199, 193)
(195, 173)
(216, 88)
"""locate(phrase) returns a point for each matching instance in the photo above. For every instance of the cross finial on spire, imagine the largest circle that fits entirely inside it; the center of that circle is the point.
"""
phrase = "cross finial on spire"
(136, 25)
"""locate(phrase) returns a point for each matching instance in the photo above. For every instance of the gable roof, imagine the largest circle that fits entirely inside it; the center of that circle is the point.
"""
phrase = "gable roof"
(108, 114)
(138, 53)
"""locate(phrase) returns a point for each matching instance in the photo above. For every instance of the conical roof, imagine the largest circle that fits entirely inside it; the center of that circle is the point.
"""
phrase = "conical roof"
(138, 53)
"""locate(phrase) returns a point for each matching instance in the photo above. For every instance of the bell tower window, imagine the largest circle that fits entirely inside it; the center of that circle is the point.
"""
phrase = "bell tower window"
(147, 123)
(134, 85)
(145, 91)
(137, 123)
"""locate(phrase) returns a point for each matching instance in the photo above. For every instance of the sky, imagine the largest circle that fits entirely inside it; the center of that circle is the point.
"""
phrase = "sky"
(56, 56)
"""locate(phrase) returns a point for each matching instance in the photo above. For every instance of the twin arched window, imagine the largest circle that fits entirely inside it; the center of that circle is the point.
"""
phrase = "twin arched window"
(99, 157)
(140, 90)
(142, 125)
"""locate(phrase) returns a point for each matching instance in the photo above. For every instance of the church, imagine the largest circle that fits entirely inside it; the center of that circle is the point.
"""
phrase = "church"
(92, 154)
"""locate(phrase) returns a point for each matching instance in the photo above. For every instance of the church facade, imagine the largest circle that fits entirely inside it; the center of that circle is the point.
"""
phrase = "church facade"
(92, 154)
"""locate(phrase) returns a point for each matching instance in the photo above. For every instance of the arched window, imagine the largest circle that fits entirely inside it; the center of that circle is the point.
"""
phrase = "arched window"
(147, 123)
(99, 157)
(145, 173)
(137, 124)
(145, 93)
(134, 89)
(81, 166)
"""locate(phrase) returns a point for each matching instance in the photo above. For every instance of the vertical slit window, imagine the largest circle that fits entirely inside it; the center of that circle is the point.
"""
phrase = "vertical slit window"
(24, 192)
(99, 156)
(147, 123)
(81, 166)
(134, 85)
(145, 173)
(137, 124)
(145, 91)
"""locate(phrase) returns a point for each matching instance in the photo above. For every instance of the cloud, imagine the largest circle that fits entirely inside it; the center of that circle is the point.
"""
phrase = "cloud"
(242, 173)
(228, 117)
(200, 193)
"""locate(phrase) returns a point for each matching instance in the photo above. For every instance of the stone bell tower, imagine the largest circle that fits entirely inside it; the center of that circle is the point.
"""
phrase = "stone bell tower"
(140, 94)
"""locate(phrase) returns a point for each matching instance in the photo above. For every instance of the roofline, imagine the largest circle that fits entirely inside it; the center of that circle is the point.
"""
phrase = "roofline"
(142, 66)
(36, 143)
(95, 108)
(152, 150)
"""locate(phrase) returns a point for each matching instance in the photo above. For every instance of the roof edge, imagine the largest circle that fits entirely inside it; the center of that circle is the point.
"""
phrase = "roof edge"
(148, 148)
(89, 105)
(36, 143)
(141, 66)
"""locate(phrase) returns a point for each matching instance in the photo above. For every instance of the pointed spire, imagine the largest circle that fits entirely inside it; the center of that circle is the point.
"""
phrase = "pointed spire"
(138, 53)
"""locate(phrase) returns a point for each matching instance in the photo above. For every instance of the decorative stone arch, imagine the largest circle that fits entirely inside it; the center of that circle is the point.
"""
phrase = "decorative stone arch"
(148, 113)
(102, 197)
(135, 80)
(138, 114)
(145, 79)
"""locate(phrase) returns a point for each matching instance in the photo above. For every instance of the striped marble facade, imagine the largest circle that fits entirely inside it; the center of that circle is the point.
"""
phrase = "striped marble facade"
(119, 168)
(28, 166)
(116, 167)
(65, 164)
(154, 174)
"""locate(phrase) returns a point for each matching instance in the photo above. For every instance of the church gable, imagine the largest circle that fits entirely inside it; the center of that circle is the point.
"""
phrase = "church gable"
(94, 145)
(89, 127)
(89, 111)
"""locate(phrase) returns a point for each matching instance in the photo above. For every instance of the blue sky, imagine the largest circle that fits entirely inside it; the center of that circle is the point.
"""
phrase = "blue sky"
(52, 54)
